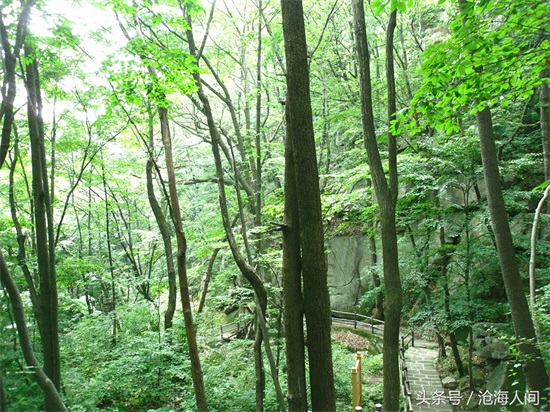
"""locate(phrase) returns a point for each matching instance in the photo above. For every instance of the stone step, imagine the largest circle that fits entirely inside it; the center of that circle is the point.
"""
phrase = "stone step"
(428, 393)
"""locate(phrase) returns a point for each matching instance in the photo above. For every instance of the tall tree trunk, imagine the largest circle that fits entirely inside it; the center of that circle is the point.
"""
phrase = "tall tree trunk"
(164, 229)
(387, 197)
(207, 278)
(21, 237)
(535, 372)
(43, 221)
(112, 308)
(316, 300)
(175, 214)
(196, 369)
(293, 304)
(259, 372)
(445, 260)
(3, 402)
(379, 303)
(53, 400)
(246, 269)
(10, 63)
(545, 121)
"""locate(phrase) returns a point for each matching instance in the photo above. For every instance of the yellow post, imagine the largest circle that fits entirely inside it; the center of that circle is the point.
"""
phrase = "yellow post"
(357, 383)
(360, 377)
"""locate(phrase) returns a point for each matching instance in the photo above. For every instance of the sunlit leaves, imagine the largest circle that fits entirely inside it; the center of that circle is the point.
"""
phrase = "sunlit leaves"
(495, 54)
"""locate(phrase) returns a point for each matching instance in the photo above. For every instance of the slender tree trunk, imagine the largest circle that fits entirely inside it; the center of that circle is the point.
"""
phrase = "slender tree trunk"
(164, 229)
(387, 197)
(300, 133)
(535, 372)
(196, 369)
(43, 221)
(10, 63)
(175, 213)
(445, 260)
(545, 121)
(246, 269)
(3, 402)
(293, 304)
(53, 400)
(207, 278)
(109, 253)
(21, 238)
(533, 258)
(258, 365)
(379, 304)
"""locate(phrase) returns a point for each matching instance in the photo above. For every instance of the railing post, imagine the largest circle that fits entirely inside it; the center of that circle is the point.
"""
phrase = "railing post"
(354, 389)
(372, 324)
(378, 407)
(359, 355)
(356, 383)
(355, 320)
(221, 332)
(412, 338)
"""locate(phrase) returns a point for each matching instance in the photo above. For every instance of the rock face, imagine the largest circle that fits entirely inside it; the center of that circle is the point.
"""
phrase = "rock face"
(347, 259)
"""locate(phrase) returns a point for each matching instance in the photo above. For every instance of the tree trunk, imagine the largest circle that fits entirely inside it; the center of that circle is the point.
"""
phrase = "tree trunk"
(112, 308)
(316, 300)
(53, 400)
(545, 121)
(387, 197)
(207, 278)
(259, 372)
(164, 229)
(10, 63)
(43, 221)
(379, 304)
(292, 291)
(245, 267)
(445, 260)
(196, 369)
(535, 372)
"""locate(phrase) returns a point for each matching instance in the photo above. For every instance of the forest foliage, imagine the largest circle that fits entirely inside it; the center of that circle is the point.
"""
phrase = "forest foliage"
(98, 96)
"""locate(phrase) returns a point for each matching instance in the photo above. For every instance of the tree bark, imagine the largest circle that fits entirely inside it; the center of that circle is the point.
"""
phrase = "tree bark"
(533, 257)
(112, 308)
(387, 198)
(445, 260)
(207, 278)
(545, 121)
(379, 304)
(300, 133)
(164, 229)
(245, 267)
(293, 305)
(196, 369)
(43, 221)
(53, 400)
(10, 62)
(535, 372)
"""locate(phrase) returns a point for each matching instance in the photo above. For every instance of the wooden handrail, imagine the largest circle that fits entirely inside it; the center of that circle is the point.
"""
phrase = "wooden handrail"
(232, 328)
(406, 339)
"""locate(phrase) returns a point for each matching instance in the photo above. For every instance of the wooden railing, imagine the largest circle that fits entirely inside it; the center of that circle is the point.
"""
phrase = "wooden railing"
(231, 329)
(406, 340)
(357, 319)
(376, 325)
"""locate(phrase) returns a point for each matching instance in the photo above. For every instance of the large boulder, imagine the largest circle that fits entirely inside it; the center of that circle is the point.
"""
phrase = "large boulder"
(508, 378)
(497, 350)
(347, 259)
